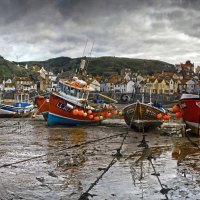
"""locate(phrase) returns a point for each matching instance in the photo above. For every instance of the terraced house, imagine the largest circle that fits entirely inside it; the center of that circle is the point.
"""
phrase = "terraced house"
(24, 83)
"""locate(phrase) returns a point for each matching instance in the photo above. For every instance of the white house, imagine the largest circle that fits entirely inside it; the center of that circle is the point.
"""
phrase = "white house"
(130, 86)
(8, 85)
(43, 73)
(190, 86)
(96, 85)
(105, 87)
(120, 87)
(1, 87)
(171, 86)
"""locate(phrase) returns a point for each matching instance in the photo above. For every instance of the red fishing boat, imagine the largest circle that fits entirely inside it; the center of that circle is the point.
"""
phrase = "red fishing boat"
(72, 107)
(190, 107)
(42, 103)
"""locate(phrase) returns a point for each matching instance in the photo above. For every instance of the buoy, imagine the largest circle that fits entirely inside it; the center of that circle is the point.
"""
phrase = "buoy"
(101, 117)
(80, 113)
(91, 116)
(75, 111)
(114, 112)
(96, 118)
(120, 113)
(178, 115)
(84, 114)
(159, 116)
(89, 112)
(108, 114)
(166, 117)
(176, 108)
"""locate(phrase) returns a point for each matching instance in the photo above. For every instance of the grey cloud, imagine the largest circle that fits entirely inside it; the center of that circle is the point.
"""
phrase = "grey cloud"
(151, 29)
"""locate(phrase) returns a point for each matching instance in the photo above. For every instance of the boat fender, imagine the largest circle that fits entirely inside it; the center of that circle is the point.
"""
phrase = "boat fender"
(81, 82)
(69, 106)
(125, 98)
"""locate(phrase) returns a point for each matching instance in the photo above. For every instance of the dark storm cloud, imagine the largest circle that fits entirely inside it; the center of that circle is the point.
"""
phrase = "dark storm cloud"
(153, 29)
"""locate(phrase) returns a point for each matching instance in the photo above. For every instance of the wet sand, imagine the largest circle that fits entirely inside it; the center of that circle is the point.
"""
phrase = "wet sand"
(105, 162)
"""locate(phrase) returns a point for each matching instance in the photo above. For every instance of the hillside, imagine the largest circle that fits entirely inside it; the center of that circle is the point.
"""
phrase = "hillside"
(9, 69)
(103, 65)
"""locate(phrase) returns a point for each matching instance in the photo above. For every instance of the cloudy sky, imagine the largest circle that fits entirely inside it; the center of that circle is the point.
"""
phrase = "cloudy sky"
(167, 30)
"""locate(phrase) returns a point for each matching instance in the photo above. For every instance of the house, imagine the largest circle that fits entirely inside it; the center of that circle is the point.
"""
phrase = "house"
(105, 86)
(130, 86)
(96, 85)
(24, 83)
(1, 87)
(190, 86)
(120, 87)
(8, 85)
(51, 82)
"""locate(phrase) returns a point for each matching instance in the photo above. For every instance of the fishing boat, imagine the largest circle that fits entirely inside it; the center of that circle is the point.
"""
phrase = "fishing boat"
(42, 103)
(71, 105)
(142, 116)
(21, 107)
(190, 108)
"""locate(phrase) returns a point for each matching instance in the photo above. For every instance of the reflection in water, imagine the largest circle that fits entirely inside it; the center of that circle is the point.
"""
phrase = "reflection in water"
(181, 150)
(71, 158)
(145, 165)
(187, 157)
(77, 135)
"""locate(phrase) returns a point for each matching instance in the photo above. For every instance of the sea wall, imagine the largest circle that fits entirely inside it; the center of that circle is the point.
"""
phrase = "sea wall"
(129, 97)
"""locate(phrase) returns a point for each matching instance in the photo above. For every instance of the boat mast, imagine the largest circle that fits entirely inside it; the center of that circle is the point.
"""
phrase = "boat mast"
(150, 95)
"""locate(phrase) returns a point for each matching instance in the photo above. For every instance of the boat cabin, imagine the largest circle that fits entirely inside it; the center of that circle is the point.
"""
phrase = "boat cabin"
(21, 99)
(75, 90)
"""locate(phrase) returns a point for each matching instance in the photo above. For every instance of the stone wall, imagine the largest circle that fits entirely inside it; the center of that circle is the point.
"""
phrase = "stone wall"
(161, 98)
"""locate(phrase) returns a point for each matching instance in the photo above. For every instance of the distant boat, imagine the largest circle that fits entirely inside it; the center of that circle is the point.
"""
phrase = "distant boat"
(142, 116)
(190, 108)
(21, 107)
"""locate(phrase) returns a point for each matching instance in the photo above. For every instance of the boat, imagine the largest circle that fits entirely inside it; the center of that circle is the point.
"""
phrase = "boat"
(143, 116)
(190, 108)
(71, 105)
(42, 103)
(21, 107)
(6, 111)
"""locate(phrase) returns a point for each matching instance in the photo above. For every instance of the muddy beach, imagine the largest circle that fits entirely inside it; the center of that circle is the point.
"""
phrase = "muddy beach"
(105, 162)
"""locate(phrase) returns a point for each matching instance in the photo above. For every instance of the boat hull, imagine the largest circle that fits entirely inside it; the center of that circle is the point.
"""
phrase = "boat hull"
(54, 119)
(190, 108)
(45, 115)
(6, 113)
(61, 113)
(142, 116)
(43, 106)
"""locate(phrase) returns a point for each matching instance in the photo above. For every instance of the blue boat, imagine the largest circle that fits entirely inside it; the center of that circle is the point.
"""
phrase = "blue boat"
(21, 107)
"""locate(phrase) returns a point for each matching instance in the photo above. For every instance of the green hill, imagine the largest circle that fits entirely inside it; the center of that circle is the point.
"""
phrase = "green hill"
(104, 65)
(9, 69)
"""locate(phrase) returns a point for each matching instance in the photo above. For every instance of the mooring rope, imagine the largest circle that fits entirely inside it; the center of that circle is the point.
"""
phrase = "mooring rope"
(86, 194)
(164, 191)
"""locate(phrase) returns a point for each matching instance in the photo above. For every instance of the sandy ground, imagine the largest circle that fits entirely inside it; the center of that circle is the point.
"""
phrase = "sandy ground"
(105, 162)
